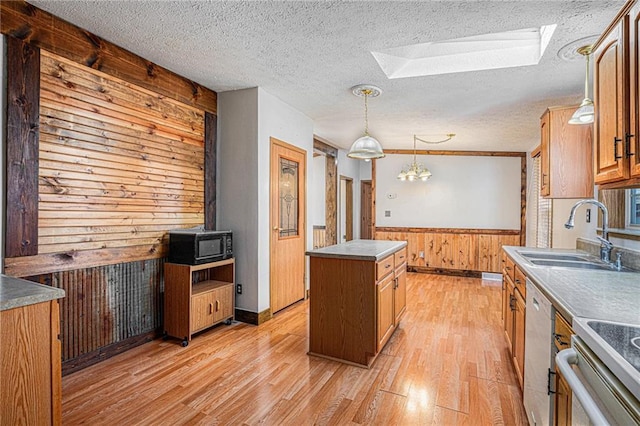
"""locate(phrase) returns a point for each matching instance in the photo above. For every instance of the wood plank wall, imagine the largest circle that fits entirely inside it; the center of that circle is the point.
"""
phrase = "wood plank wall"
(452, 249)
(106, 152)
(119, 165)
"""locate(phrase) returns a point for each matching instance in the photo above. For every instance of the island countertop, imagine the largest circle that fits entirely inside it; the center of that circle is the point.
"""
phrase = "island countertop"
(16, 293)
(375, 250)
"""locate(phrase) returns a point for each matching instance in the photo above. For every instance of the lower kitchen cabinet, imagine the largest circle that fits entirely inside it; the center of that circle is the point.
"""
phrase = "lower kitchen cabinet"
(514, 313)
(519, 321)
(386, 317)
(562, 413)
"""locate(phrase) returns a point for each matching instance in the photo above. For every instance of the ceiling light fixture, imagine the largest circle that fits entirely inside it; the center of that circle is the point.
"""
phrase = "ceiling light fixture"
(415, 170)
(585, 112)
(366, 147)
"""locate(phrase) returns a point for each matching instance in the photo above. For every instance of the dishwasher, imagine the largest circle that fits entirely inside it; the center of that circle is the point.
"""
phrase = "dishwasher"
(538, 358)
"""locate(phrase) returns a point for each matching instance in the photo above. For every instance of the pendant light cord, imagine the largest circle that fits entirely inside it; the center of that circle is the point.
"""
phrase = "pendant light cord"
(366, 114)
(586, 79)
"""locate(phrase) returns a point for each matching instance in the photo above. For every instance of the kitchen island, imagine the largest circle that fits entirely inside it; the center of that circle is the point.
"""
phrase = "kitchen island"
(357, 297)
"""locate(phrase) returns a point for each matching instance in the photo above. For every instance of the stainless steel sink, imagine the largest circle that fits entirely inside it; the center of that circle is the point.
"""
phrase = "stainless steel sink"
(572, 264)
(553, 256)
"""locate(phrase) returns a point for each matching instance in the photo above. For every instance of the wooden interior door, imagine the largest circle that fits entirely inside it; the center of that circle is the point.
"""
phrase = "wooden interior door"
(365, 210)
(288, 201)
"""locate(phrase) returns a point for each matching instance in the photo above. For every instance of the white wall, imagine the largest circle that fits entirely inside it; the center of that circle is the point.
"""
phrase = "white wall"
(247, 120)
(562, 237)
(318, 191)
(464, 192)
(237, 204)
(279, 120)
(350, 168)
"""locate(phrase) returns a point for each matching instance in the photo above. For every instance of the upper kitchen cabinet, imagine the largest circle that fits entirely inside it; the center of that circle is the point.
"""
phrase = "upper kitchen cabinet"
(616, 126)
(565, 154)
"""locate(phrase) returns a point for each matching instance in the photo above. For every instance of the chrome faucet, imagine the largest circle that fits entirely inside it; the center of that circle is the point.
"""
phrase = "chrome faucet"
(605, 245)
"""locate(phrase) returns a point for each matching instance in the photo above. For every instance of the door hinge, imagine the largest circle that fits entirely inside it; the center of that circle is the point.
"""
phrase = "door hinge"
(549, 375)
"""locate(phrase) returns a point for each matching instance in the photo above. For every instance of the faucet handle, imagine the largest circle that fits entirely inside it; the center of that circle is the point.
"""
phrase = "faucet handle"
(607, 243)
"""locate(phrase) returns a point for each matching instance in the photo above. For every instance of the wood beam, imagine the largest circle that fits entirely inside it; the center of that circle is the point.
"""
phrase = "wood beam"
(23, 121)
(43, 30)
(210, 166)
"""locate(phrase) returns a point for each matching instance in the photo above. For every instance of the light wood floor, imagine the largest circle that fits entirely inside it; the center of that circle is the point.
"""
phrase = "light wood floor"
(446, 364)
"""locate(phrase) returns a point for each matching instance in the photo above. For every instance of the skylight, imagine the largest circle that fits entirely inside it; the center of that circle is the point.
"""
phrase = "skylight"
(483, 52)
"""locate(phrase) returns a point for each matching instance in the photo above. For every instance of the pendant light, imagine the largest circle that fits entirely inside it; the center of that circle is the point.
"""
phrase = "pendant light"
(366, 147)
(414, 170)
(585, 112)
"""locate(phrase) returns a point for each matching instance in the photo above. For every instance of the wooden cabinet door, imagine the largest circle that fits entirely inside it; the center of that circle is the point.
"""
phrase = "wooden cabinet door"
(223, 303)
(611, 162)
(562, 413)
(509, 311)
(518, 336)
(634, 89)
(400, 296)
(385, 289)
(544, 154)
(202, 309)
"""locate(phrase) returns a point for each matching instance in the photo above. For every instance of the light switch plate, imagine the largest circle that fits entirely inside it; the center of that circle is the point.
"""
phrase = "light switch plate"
(387, 213)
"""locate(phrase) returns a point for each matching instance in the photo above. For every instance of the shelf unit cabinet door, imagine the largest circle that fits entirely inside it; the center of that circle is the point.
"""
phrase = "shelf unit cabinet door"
(634, 89)
(518, 336)
(545, 165)
(202, 311)
(386, 317)
(611, 164)
(400, 293)
(223, 303)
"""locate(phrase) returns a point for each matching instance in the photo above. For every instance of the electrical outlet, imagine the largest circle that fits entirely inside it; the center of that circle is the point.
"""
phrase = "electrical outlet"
(588, 215)
(421, 255)
(387, 213)
(239, 288)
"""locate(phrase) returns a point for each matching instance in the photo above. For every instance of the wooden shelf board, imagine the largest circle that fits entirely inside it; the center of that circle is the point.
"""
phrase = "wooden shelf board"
(205, 286)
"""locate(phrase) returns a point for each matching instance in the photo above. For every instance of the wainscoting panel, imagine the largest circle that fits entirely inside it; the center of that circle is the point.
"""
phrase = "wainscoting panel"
(108, 304)
(452, 249)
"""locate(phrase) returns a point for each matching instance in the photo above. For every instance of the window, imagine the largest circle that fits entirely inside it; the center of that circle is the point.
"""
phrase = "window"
(634, 207)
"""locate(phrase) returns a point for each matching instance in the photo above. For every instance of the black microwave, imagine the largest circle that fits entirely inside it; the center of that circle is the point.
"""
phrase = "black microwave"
(196, 246)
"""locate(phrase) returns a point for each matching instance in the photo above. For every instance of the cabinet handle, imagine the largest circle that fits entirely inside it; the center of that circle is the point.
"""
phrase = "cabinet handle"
(512, 301)
(210, 308)
(217, 305)
(558, 338)
(627, 144)
(615, 148)
(387, 266)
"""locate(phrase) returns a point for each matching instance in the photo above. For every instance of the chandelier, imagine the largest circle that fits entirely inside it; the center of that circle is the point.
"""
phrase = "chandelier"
(414, 170)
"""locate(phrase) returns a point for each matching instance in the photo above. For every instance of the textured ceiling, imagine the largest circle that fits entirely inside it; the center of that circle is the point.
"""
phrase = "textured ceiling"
(309, 54)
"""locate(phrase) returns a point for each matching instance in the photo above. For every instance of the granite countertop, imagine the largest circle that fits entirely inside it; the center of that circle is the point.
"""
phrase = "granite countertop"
(16, 292)
(359, 250)
(596, 294)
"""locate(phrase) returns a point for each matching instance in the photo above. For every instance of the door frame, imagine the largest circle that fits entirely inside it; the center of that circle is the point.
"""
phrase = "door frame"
(348, 207)
(273, 219)
(365, 207)
(331, 190)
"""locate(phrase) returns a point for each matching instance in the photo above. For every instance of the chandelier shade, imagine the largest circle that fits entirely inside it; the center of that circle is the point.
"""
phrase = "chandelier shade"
(414, 171)
(366, 147)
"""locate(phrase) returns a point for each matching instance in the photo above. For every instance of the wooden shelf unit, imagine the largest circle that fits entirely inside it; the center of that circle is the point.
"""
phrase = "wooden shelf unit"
(197, 297)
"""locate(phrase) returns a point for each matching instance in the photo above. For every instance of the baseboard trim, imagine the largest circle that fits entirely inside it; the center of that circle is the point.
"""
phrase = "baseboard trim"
(445, 271)
(106, 352)
(254, 318)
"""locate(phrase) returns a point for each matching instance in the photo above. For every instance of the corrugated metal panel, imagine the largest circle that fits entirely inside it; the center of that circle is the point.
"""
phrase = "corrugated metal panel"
(108, 304)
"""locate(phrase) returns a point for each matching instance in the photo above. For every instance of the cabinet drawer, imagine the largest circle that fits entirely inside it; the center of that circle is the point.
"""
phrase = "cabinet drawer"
(384, 267)
(400, 257)
(520, 281)
(562, 333)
